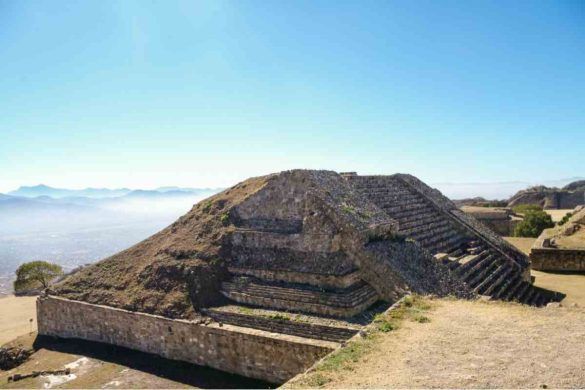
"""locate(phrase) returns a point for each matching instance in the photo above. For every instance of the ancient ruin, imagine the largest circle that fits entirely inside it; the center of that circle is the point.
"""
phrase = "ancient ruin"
(568, 197)
(500, 219)
(270, 275)
(561, 248)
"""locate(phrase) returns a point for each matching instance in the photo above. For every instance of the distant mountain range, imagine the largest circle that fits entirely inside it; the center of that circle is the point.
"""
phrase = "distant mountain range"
(44, 208)
(56, 193)
(495, 190)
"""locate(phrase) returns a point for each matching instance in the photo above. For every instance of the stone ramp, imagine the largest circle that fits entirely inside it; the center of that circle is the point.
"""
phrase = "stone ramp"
(460, 244)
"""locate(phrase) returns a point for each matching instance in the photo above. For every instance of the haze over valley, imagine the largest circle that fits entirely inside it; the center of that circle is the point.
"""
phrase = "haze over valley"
(76, 227)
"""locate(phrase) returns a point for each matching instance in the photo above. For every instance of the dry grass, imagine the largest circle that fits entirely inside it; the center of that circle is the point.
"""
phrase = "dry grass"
(557, 215)
(15, 316)
(473, 345)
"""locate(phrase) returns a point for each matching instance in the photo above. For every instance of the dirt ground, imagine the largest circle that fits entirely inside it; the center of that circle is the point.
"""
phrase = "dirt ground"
(15, 316)
(557, 215)
(522, 243)
(476, 345)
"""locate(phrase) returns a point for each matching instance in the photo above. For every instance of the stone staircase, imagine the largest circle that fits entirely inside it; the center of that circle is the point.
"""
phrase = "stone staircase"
(484, 269)
(300, 297)
(284, 281)
(312, 327)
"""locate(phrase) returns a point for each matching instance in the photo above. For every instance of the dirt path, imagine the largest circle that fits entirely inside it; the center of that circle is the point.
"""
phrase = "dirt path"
(477, 345)
(15, 316)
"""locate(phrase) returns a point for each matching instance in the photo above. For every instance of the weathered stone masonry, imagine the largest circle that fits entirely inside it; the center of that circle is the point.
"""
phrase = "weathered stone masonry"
(250, 352)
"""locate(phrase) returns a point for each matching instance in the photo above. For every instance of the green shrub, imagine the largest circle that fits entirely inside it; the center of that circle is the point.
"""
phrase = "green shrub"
(565, 219)
(526, 208)
(533, 224)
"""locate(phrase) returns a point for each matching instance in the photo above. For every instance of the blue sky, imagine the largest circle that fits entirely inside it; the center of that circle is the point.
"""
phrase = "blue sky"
(205, 93)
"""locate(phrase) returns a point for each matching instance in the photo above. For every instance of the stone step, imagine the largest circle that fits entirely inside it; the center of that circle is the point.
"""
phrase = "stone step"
(412, 215)
(482, 273)
(384, 190)
(445, 243)
(454, 248)
(515, 295)
(474, 266)
(393, 199)
(322, 281)
(516, 285)
(431, 218)
(281, 322)
(535, 298)
(502, 290)
(432, 233)
(423, 227)
(503, 276)
(339, 299)
(341, 303)
(487, 283)
(396, 208)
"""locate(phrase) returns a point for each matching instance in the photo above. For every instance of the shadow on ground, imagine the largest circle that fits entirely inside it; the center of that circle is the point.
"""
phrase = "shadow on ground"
(182, 372)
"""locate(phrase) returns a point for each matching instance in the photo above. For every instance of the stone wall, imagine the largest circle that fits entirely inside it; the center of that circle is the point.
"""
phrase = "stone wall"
(249, 352)
(557, 259)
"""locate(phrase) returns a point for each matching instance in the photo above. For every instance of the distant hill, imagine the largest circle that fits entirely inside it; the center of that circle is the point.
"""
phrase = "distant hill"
(575, 186)
(44, 190)
(568, 197)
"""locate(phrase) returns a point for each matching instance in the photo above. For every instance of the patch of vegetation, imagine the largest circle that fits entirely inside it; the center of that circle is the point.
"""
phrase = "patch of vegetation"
(565, 219)
(207, 206)
(279, 317)
(533, 224)
(348, 209)
(36, 274)
(422, 319)
(412, 309)
(225, 219)
(245, 310)
(526, 208)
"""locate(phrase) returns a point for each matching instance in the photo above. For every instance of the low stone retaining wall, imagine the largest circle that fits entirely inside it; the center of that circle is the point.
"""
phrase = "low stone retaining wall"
(314, 331)
(555, 259)
(249, 352)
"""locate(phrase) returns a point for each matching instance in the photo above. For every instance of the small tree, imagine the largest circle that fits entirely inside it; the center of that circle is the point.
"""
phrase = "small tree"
(36, 274)
(533, 224)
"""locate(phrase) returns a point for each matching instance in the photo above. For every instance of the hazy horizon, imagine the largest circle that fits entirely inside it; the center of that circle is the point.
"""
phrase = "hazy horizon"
(453, 190)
